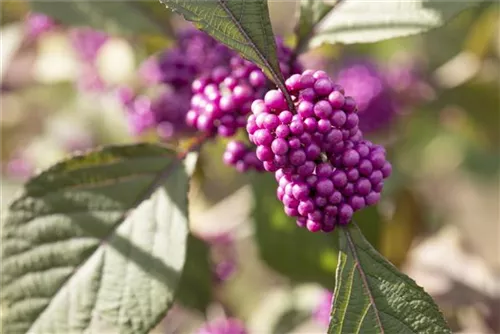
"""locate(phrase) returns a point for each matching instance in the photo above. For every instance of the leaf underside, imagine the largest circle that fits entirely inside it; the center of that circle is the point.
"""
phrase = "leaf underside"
(361, 21)
(372, 296)
(90, 247)
(244, 26)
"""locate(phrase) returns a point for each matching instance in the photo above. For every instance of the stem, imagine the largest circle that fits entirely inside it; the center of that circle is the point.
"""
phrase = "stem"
(194, 146)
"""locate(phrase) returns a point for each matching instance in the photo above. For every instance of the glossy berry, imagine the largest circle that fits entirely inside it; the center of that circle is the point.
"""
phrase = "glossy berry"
(242, 157)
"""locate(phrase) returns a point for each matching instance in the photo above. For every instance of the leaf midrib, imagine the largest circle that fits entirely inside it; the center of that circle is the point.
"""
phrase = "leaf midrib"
(278, 77)
(366, 286)
(148, 190)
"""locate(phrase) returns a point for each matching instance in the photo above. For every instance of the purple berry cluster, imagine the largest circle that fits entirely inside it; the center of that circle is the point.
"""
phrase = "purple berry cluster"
(223, 326)
(223, 256)
(37, 24)
(195, 53)
(242, 157)
(163, 111)
(367, 85)
(169, 76)
(222, 98)
(324, 168)
(86, 43)
(321, 313)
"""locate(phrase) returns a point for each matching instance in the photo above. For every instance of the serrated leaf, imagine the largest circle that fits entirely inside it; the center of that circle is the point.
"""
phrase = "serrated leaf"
(195, 288)
(311, 13)
(96, 243)
(372, 296)
(298, 254)
(244, 26)
(114, 17)
(361, 21)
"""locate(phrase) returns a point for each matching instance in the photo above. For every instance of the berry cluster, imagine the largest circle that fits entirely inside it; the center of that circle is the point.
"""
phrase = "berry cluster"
(87, 43)
(321, 313)
(324, 168)
(222, 98)
(37, 24)
(163, 104)
(367, 84)
(242, 157)
(163, 111)
(196, 53)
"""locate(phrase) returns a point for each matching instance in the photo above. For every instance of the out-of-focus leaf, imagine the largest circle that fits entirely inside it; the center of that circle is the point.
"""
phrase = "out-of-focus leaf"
(370, 222)
(359, 21)
(398, 233)
(486, 117)
(244, 26)
(311, 13)
(372, 296)
(114, 17)
(96, 243)
(195, 287)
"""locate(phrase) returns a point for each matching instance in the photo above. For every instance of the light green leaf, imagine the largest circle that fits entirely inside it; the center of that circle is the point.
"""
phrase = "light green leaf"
(114, 17)
(361, 21)
(195, 287)
(372, 296)
(96, 243)
(244, 26)
(311, 13)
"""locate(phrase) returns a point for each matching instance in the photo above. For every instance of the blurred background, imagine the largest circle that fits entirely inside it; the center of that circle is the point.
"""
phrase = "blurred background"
(433, 100)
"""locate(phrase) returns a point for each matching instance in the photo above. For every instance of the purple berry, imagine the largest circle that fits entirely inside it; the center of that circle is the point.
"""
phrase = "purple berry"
(323, 109)
(297, 157)
(350, 158)
(279, 146)
(323, 86)
(325, 187)
(363, 187)
(339, 179)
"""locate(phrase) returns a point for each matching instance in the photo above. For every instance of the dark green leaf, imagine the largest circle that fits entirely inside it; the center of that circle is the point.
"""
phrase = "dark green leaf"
(294, 252)
(195, 287)
(114, 17)
(372, 296)
(244, 26)
(311, 13)
(96, 243)
(370, 21)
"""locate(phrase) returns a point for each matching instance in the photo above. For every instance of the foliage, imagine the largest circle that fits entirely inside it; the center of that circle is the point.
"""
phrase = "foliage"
(372, 296)
(101, 242)
(96, 242)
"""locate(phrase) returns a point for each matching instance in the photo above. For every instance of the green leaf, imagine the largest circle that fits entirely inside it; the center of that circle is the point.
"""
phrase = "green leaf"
(114, 17)
(300, 255)
(311, 13)
(195, 288)
(358, 21)
(244, 26)
(372, 296)
(96, 243)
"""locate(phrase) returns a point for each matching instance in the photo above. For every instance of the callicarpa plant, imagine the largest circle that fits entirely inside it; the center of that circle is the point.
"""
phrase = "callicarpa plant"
(101, 242)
